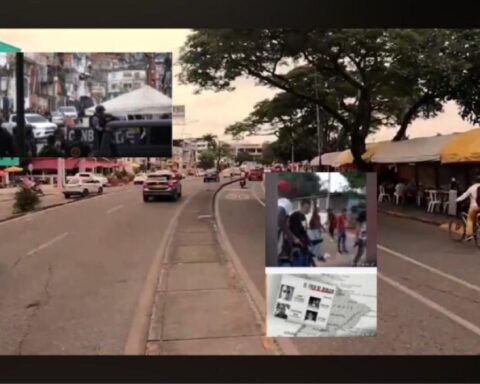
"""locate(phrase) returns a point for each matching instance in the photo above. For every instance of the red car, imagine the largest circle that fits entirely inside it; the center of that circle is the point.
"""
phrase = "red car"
(255, 175)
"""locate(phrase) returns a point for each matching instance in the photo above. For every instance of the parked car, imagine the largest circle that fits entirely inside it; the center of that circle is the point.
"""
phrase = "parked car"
(200, 173)
(162, 184)
(89, 175)
(42, 128)
(70, 112)
(211, 175)
(78, 186)
(139, 178)
(255, 174)
(58, 118)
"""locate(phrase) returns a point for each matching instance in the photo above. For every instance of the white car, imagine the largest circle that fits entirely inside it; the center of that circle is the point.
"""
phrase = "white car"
(69, 112)
(88, 175)
(139, 178)
(42, 128)
(200, 173)
(78, 186)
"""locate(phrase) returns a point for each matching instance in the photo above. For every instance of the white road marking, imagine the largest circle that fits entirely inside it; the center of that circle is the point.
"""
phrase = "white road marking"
(431, 304)
(47, 244)
(429, 268)
(116, 208)
(257, 198)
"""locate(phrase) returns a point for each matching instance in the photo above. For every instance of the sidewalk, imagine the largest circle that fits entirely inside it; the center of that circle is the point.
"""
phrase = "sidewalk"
(413, 213)
(201, 307)
(7, 194)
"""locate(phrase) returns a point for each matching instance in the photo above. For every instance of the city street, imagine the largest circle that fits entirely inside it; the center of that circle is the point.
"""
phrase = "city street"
(428, 286)
(71, 276)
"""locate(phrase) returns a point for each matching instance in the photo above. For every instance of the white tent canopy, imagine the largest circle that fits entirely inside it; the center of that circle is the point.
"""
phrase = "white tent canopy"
(327, 159)
(142, 101)
(413, 150)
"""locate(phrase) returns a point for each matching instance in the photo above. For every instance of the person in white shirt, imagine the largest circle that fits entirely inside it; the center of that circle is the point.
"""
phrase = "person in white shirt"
(474, 194)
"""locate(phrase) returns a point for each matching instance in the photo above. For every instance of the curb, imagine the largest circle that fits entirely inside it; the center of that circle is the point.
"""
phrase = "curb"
(285, 344)
(405, 216)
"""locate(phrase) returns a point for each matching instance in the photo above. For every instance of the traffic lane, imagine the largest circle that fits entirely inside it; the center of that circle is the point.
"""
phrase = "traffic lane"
(405, 327)
(21, 235)
(430, 245)
(244, 223)
(456, 296)
(80, 299)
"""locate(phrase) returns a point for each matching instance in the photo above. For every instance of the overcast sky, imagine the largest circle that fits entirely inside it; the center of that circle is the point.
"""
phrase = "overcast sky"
(337, 181)
(208, 112)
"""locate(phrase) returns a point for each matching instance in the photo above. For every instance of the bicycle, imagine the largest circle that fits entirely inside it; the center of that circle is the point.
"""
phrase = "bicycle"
(458, 226)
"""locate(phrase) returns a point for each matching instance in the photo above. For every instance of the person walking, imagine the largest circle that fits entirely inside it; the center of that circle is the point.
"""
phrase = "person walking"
(342, 231)
(285, 239)
(332, 222)
(360, 236)
(315, 234)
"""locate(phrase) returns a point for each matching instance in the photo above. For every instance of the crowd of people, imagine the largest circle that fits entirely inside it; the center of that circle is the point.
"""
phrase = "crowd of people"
(299, 239)
(57, 145)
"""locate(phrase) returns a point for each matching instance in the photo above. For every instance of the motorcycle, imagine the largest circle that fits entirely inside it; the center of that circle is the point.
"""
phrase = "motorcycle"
(243, 183)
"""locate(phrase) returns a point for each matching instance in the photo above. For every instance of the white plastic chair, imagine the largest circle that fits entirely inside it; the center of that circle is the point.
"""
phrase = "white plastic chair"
(398, 196)
(383, 195)
(433, 201)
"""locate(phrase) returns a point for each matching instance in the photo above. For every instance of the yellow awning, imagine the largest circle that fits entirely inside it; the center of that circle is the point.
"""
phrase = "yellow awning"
(464, 147)
(13, 169)
(346, 156)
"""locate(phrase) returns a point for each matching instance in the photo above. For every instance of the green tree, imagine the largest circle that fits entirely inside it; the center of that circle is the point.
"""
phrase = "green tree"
(206, 159)
(356, 180)
(360, 78)
(243, 157)
(268, 154)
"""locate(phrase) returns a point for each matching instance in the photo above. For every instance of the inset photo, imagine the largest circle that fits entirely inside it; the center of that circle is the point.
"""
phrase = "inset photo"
(286, 293)
(339, 304)
(97, 104)
(319, 220)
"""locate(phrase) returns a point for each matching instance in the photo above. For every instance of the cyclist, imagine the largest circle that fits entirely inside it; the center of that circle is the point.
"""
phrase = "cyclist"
(474, 194)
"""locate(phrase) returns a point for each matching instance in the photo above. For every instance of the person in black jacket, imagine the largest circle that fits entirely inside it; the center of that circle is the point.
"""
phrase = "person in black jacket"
(50, 150)
(7, 144)
(77, 148)
(298, 227)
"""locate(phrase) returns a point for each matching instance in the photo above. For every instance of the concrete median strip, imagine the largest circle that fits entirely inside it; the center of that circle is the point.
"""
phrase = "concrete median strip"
(286, 345)
(138, 334)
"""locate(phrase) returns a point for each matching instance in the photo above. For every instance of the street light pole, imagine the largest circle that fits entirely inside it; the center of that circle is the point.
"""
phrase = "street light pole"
(317, 110)
(20, 84)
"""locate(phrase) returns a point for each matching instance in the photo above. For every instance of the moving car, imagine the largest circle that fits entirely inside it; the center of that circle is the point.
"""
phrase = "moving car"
(162, 184)
(78, 186)
(255, 175)
(58, 118)
(211, 175)
(140, 178)
(70, 112)
(88, 175)
(235, 172)
(42, 128)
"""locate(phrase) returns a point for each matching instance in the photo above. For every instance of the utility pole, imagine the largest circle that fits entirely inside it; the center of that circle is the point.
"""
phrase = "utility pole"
(20, 84)
(317, 109)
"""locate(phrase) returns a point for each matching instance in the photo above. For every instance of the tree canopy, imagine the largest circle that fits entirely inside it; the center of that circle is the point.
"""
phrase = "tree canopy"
(360, 79)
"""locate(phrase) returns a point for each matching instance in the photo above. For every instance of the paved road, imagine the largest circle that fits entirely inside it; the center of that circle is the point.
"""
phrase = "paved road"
(70, 276)
(428, 286)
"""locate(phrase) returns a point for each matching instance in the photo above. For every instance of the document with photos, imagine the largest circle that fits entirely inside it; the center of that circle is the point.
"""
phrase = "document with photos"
(322, 305)
(304, 301)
